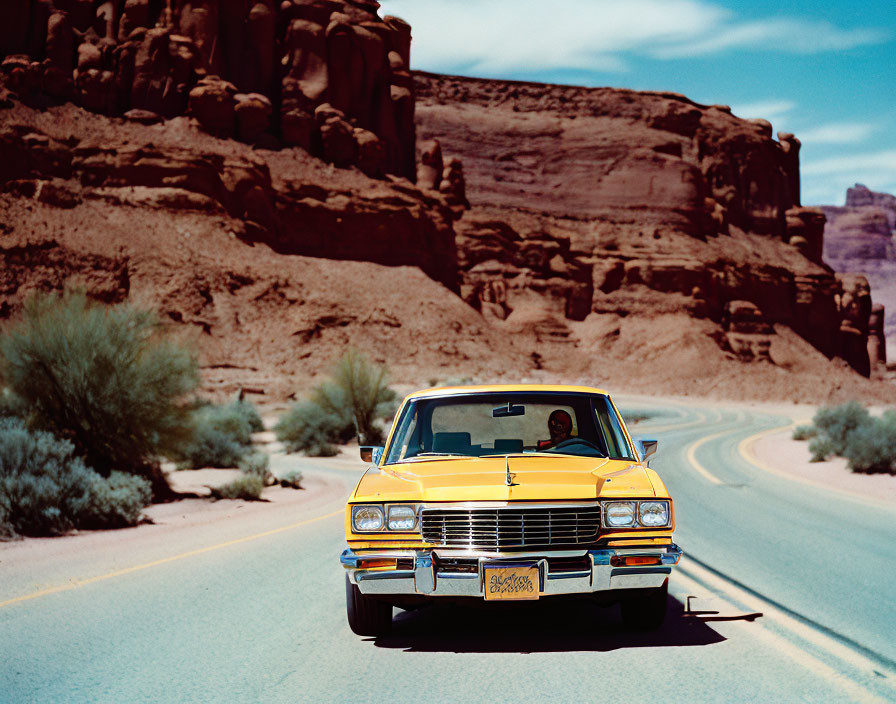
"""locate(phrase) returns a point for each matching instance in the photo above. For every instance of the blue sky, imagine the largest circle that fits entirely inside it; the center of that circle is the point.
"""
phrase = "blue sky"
(824, 71)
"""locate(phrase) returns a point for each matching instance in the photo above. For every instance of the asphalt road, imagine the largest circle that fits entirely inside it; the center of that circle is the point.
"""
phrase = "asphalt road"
(789, 597)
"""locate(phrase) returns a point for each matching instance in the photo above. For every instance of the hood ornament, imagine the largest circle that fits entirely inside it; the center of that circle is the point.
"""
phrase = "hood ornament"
(508, 479)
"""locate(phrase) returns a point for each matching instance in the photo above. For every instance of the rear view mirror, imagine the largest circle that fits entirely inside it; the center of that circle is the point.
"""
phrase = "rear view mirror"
(508, 410)
(371, 454)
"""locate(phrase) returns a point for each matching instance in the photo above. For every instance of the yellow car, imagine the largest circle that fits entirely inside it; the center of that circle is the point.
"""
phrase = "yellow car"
(498, 493)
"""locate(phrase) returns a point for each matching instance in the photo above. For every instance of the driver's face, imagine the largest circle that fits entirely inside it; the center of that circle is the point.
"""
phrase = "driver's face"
(559, 425)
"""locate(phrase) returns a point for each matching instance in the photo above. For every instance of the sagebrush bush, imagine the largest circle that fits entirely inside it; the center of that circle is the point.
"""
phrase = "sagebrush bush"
(11, 406)
(308, 427)
(258, 464)
(292, 480)
(248, 487)
(872, 446)
(46, 489)
(365, 395)
(109, 378)
(821, 448)
(221, 435)
(804, 432)
(115, 502)
(837, 422)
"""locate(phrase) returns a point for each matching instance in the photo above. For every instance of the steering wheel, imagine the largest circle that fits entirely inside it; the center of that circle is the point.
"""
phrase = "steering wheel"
(570, 442)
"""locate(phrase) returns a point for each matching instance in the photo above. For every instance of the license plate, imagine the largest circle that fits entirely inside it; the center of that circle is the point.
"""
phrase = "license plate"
(511, 582)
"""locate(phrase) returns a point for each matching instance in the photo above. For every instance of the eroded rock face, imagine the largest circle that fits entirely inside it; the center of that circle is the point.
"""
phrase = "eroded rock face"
(395, 225)
(667, 205)
(198, 55)
(860, 238)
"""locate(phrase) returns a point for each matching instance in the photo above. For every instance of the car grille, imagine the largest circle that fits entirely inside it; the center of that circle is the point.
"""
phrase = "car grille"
(511, 527)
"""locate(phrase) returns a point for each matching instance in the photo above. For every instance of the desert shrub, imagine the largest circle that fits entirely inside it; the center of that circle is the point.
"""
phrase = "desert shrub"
(250, 414)
(308, 427)
(836, 423)
(821, 448)
(364, 395)
(804, 432)
(258, 464)
(292, 480)
(248, 487)
(108, 378)
(872, 446)
(221, 435)
(115, 502)
(46, 489)
(210, 447)
(11, 406)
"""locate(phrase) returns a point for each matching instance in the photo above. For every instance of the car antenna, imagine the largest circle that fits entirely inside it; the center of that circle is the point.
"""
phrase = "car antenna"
(508, 480)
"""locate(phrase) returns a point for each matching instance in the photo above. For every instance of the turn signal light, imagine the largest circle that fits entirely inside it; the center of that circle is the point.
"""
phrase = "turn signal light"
(632, 560)
(375, 563)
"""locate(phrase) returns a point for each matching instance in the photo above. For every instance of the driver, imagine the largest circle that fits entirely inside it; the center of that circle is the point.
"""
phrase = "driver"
(559, 427)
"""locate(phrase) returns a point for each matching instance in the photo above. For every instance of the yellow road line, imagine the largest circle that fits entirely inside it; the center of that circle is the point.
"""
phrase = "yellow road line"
(74, 584)
(853, 690)
(745, 448)
(692, 455)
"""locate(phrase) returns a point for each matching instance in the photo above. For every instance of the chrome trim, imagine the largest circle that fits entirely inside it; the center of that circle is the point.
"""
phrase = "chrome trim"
(512, 526)
(425, 579)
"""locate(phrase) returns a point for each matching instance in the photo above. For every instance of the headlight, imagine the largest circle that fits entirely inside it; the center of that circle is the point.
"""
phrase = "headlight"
(401, 518)
(367, 519)
(619, 514)
(653, 514)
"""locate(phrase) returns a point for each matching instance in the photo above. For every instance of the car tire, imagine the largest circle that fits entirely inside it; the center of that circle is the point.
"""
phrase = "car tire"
(647, 612)
(366, 616)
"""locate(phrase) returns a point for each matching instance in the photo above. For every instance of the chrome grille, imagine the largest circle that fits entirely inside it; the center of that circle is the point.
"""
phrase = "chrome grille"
(511, 527)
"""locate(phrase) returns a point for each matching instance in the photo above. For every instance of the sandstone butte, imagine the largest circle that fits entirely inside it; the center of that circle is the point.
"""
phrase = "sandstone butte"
(278, 184)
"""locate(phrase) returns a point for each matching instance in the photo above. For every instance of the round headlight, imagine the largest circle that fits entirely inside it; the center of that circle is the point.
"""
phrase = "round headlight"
(401, 518)
(366, 519)
(619, 514)
(653, 513)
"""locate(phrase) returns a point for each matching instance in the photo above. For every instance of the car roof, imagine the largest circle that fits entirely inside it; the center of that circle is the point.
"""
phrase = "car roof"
(503, 388)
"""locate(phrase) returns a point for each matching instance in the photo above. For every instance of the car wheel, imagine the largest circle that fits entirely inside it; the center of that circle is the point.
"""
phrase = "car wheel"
(366, 616)
(647, 612)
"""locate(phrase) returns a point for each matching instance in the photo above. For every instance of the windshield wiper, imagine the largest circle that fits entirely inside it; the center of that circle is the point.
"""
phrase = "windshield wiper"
(440, 454)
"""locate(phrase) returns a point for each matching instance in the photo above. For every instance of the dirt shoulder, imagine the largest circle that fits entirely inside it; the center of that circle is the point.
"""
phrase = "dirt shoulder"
(791, 458)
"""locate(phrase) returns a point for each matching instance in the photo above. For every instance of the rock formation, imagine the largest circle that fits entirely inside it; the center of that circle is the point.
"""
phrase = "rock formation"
(652, 202)
(860, 239)
(252, 70)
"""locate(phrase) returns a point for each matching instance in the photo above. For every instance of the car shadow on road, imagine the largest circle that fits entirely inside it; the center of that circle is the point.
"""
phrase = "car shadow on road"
(573, 625)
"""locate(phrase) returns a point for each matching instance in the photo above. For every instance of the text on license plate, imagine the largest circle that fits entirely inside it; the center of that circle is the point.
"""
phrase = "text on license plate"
(516, 582)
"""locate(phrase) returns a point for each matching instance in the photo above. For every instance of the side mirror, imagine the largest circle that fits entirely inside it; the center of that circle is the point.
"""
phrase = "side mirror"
(371, 454)
(646, 448)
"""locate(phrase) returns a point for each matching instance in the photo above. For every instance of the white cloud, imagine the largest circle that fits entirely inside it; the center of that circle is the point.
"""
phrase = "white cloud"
(771, 110)
(503, 37)
(789, 35)
(837, 133)
(883, 161)
(824, 181)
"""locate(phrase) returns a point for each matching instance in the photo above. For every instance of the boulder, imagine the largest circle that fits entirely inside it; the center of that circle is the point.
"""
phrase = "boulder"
(429, 170)
(453, 184)
(212, 104)
(371, 153)
(336, 136)
(253, 114)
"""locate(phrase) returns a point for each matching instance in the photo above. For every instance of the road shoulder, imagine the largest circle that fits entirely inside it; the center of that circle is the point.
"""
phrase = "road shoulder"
(778, 453)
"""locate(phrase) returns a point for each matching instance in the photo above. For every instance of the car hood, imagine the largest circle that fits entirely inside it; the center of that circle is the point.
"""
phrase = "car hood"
(485, 479)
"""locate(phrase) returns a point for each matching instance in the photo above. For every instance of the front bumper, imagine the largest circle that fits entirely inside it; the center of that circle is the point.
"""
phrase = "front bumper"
(431, 572)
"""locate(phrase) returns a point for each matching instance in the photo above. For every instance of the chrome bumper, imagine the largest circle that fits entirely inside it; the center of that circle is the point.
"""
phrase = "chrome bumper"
(425, 579)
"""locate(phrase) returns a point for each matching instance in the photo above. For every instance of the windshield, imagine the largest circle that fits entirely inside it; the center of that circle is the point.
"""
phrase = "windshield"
(479, 425)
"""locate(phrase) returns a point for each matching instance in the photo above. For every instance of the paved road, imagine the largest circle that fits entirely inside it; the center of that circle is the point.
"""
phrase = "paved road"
(262, 619)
